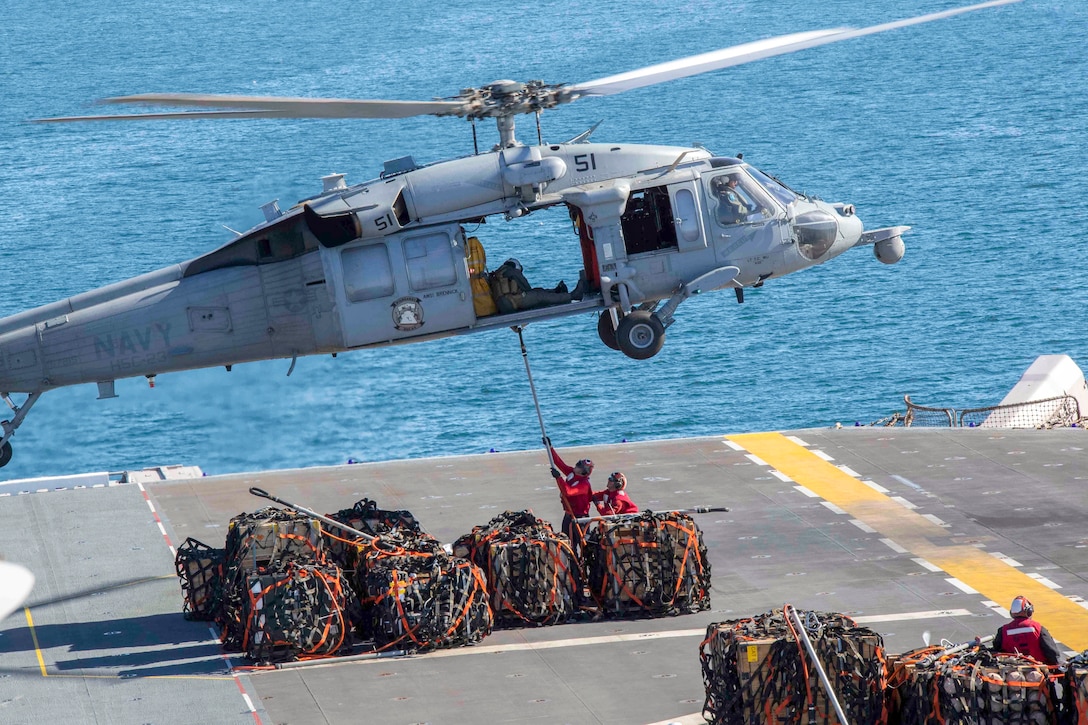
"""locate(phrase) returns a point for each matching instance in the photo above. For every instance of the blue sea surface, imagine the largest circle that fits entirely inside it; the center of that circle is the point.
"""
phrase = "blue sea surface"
(972, 130)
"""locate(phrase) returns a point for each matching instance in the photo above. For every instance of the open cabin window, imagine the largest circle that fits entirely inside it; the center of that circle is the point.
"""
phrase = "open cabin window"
(647, 223)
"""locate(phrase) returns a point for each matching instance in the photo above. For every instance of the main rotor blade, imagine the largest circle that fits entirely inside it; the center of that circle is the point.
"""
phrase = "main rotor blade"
(746, 53)
(270, 107)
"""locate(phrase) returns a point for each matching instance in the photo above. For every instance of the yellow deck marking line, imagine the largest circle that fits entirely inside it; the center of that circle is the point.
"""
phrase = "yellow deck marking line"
(34, 637)
(45, 673)
(1066, 620)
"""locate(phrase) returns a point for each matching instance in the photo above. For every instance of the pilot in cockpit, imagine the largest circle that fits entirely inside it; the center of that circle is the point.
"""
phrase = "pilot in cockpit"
(732, 208)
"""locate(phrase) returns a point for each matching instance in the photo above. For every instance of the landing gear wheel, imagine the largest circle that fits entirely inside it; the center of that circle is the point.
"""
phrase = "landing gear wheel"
(605, 331)
(5, 454)
(640, 335)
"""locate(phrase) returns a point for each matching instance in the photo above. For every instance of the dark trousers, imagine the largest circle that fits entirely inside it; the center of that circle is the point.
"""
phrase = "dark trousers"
(574, 532)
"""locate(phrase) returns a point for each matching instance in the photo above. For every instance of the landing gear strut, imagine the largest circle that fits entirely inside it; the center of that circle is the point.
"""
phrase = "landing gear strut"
(8, 426)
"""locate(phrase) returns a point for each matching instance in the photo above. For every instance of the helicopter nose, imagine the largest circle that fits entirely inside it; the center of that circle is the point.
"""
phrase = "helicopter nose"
(850, 227)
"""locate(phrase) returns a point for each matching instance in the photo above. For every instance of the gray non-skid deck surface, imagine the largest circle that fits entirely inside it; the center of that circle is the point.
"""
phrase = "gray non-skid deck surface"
(1024, 494)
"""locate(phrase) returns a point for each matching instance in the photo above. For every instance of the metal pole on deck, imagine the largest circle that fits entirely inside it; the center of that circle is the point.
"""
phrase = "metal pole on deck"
(803, 634)
(692, 510)
(325, 519)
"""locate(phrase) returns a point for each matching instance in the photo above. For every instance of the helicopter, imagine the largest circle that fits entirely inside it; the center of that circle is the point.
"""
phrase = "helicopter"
(389, 261)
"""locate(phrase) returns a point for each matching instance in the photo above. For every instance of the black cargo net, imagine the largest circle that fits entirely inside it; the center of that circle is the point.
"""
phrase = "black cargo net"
(972, 686)
(651, 564)
(416, 597)
(533, 576)
(293, 610)
(756, 670)
(343, 548)
(200, 570)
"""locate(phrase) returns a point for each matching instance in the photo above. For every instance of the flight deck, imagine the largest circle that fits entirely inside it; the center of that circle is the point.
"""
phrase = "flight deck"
(917, 533)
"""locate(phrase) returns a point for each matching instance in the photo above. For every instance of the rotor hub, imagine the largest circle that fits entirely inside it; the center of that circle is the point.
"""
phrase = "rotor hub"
(503, 98)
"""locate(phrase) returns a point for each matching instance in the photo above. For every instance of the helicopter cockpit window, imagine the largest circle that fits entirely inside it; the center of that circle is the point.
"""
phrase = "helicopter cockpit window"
(430, 262)
(778, 190)
(367, 272)
(739, 199)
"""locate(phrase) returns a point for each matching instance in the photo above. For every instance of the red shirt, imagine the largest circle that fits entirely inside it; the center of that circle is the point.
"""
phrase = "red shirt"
(1025, 636)
(575, 488)
(614, 502)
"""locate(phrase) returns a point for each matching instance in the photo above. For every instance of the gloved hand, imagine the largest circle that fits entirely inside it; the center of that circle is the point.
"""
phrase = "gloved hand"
(556, 473)
(546, 441)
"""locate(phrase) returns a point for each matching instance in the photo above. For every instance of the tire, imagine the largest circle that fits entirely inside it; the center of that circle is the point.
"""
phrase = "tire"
(605, 331)
(5, 454)
(640, 335)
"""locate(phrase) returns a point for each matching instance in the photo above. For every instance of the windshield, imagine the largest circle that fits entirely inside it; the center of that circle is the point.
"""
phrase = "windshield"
(778, 190)
(737, 199)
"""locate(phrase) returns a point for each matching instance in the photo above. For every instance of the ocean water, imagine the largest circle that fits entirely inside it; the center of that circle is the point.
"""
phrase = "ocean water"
(973, 130)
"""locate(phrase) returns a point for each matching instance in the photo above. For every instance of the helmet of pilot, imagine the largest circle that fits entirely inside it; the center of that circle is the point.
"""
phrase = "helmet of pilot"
(1021, 608)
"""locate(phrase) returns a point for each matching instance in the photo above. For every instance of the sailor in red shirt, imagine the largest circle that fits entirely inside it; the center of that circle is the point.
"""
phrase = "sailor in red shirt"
(575, 490)
(1024, 636)
(614, 499)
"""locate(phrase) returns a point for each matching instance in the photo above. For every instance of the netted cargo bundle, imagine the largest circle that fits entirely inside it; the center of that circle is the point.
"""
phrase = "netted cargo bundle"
(1075, 690)
(343, 549)
(200, 569)
(289, 610)
(976, 686)
(649, 563)
(271, 534)
(533, 576)
(421, 598)
(756, 670)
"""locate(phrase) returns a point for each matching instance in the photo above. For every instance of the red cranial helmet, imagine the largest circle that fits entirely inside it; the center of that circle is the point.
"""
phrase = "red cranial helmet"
(584, 467)
(1021, 607)
(618, 480)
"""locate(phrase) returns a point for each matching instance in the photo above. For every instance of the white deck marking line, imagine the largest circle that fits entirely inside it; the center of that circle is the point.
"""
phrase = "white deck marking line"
(994, 606)
(622, 638)
(863, 526)
(903, 502)
(907, 482)
(875, 486)
(1007, 559)
(966, 589)
(696, 718)
(893, 546)
(781, 476)
(912, 615)
(849, 471)
(1044, 581)
(832, 507)
(1078, 600)
(755, 459)
(734, 446)
(807, 492)
(820, 454)
(926, 564)
(797, 440)
(935, 520)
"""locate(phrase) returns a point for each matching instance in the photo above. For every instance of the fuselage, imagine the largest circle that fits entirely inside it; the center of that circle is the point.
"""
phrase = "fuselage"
(384, 262)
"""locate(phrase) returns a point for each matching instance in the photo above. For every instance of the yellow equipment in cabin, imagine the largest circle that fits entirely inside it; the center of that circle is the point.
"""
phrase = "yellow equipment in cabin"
(477, 272)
